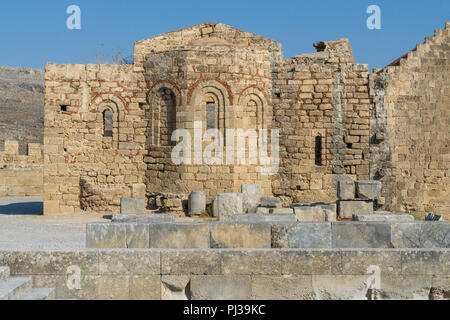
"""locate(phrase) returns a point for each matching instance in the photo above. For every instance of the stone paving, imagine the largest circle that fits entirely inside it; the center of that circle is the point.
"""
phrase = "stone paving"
(22, 227)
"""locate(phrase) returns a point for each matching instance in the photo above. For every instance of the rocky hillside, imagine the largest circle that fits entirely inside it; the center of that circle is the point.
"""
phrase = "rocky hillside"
(21, 105)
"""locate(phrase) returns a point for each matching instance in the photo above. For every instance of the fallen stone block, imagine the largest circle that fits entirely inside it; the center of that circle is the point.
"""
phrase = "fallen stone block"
(132, 205)
(142, 218)
(346, 190)
(360, 235)
(106, 235)
(302, 235)
(348, 208)
(264, 218)
(382, 216)
(197, 203)
(261, 210)
(366, 189)
(330, 212)
(267, 202)
(309, 214)
(251, 196)
(282, 211)
(420, 234)
(235, 235)
(179, 235)
(227, 205)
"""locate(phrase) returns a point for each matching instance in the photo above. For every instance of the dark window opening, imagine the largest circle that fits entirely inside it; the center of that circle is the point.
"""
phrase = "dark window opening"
(210, 115)
(63, 108)
(107, 123)
(349, 145)
(318, 150)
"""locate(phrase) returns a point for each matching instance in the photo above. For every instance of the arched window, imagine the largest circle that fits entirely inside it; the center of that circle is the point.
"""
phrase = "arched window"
(211, 115)
(167, 118)
(107, 123)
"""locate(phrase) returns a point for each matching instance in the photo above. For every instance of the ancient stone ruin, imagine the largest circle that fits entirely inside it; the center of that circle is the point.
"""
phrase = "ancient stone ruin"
(347, 163)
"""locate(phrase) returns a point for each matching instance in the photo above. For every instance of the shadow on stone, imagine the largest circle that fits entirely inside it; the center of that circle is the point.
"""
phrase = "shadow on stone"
(22, 208)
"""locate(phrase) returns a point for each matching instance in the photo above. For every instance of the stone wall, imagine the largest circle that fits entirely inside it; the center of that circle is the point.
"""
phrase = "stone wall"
(319, 103)
(21, 175)
(322, 106)
(410, 152)
(77, 151)
(240, 274)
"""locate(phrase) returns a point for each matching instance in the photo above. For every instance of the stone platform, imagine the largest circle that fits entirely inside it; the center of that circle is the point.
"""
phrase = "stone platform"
(243, 274)
(269, 234)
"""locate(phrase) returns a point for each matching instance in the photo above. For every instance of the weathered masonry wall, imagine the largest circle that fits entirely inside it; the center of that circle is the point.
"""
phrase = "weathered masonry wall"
(21, 175)
(410, 128)
(322, 107)
(241, 274)
(219, 77)
(83, 167)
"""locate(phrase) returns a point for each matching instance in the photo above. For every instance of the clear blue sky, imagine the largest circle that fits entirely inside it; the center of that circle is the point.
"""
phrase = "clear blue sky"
(34, 32)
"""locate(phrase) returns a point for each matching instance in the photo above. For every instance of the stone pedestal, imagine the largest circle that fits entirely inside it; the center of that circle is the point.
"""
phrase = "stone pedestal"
(197, 203)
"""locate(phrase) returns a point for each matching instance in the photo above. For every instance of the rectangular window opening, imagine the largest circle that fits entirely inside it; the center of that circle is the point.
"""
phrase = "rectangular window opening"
(210, 115)
(318, 151)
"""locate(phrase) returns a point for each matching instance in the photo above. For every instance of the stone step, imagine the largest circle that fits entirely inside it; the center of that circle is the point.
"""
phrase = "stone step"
(14, 288)
(39, 294)
(4, 273)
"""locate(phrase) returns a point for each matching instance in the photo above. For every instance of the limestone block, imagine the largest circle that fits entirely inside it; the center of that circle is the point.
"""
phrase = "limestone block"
(138, 190)
(348, 208)
(340, 287)
(357, 261)
(425, 262)
(251, 197)
(138, 235)
(132, 206)
(231, 287)
(282, 288)
(251, 262)
(302, 235)
(106, 235)
(309, 261)
(34, 150)
(261, 210)
(175, 288)
(267, 202)
(143, 218)
(366, 189)
(420, 234)
(11, 147)
(382, 216)
(179, 235)
(309, 214)
(190, 262)
(197, 203)
(360, 235)
(227, 205)
(282, 211)
(234, 235)
(346, 190)
(129, 145)
(330, 211)
(128, 262)
(264, 218)
(145, 287)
